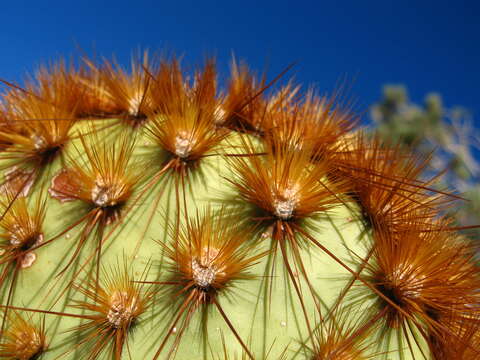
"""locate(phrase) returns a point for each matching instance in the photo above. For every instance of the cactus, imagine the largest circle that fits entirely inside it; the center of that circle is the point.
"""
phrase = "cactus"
(155, 214)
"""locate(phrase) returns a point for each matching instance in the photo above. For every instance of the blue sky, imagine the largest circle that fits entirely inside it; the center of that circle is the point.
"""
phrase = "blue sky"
(426, 45)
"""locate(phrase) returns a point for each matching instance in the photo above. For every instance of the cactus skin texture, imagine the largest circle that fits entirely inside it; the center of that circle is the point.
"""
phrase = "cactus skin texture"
(154, 214)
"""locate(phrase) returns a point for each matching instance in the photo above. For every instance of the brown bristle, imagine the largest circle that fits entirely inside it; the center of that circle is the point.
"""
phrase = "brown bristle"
(312, 121)
(22, 339)
(5, 126)
(244, 101)
(386, 183)
(19, 181)
(37, 131)
(284, 184)
(112, 308)
(245, 108)
(227, 355)
(283, 190)
(339, 338)
(127, 94)
(21, 230)
(105, 181)
(464, 346)
(102, 183)
(185, 123)
(209, 254)
(95, 101)
(64, 86)
(420, 276)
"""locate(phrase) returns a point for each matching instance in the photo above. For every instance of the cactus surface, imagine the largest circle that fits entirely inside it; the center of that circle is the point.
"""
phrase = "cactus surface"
(155, 214)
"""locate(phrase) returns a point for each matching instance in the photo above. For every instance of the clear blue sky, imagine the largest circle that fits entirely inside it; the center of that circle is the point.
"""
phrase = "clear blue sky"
(426, 45)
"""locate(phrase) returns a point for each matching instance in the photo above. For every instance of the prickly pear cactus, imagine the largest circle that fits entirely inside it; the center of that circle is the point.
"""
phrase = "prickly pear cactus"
(155, 214)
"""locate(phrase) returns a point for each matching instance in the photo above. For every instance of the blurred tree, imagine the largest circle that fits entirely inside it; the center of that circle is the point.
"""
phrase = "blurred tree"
(449, 133)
